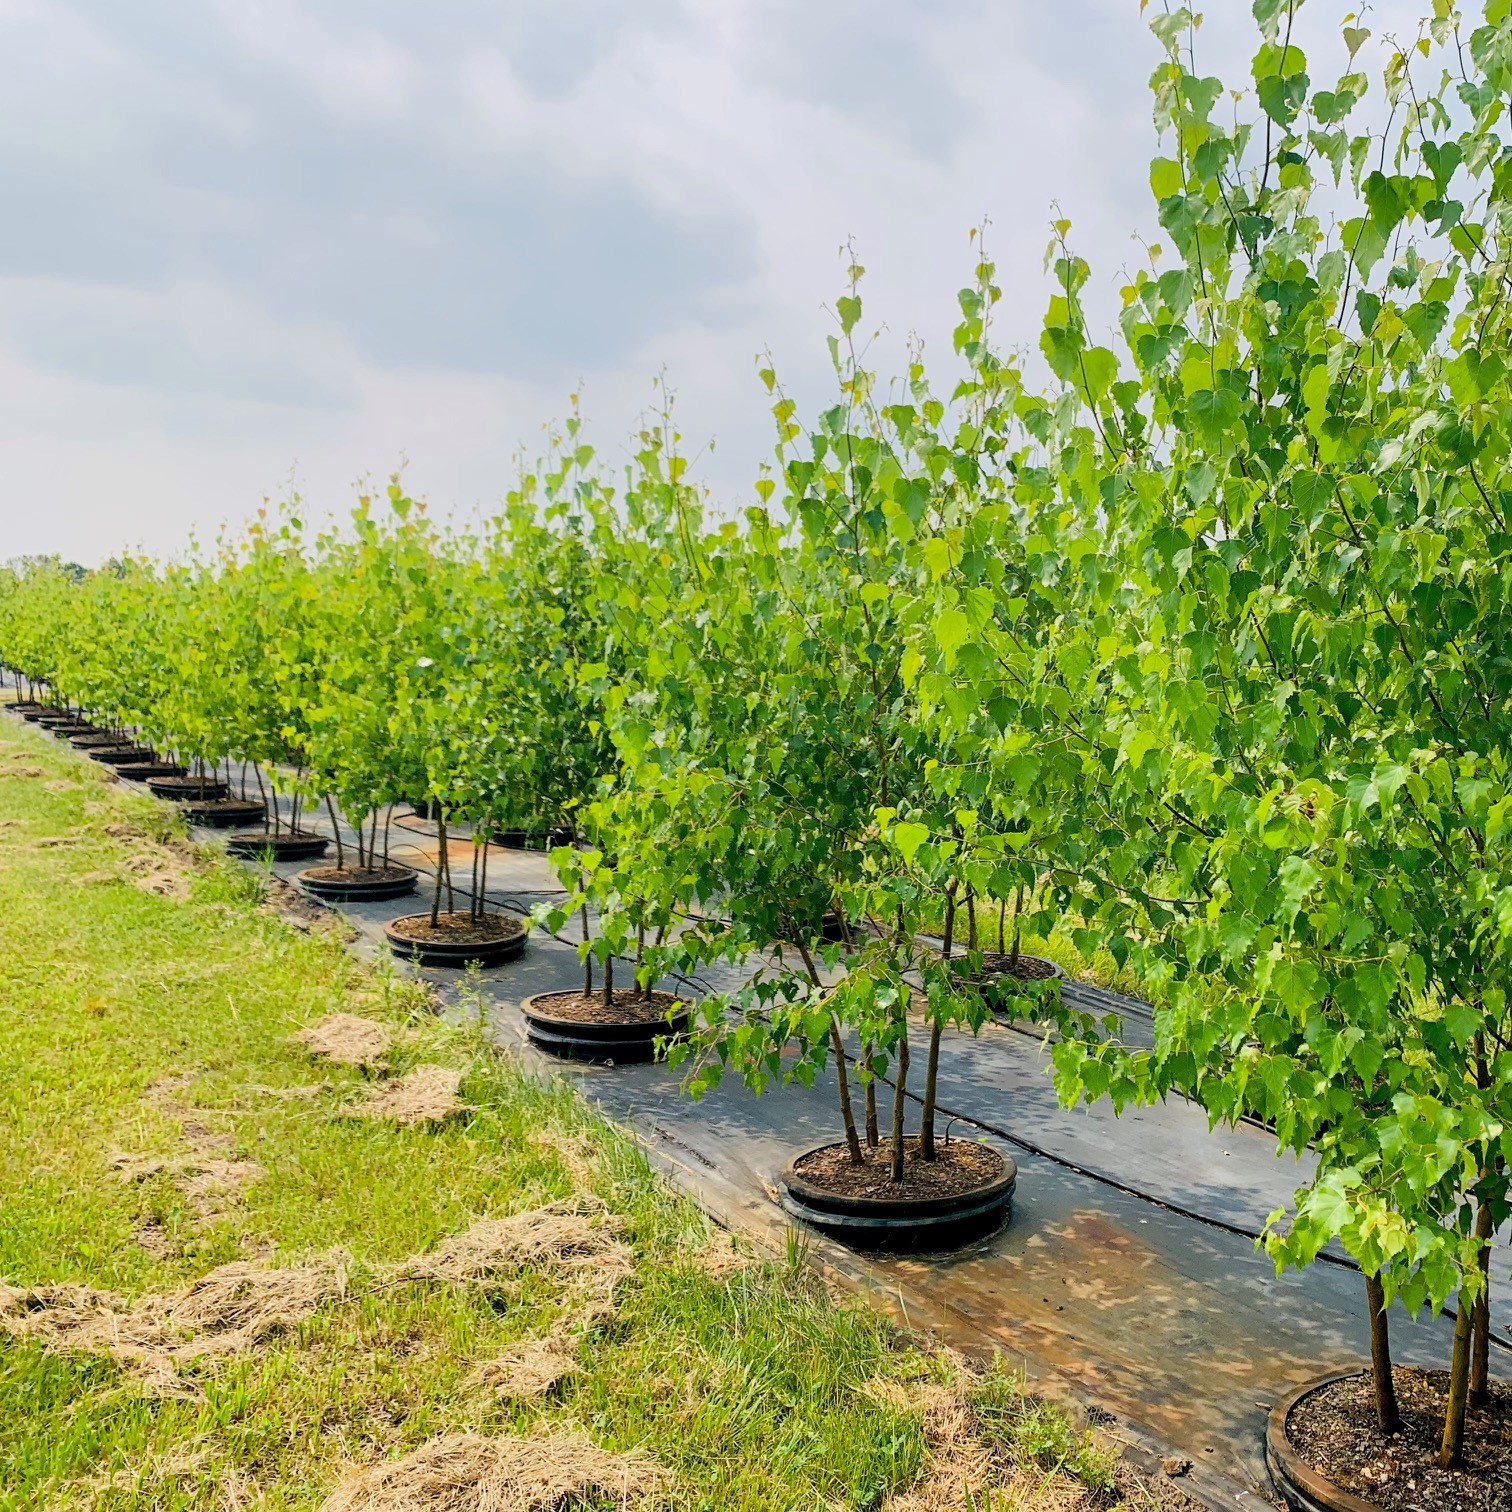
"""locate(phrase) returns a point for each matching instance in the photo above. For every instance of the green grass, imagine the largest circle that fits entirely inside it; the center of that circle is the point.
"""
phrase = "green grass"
(750, 1388)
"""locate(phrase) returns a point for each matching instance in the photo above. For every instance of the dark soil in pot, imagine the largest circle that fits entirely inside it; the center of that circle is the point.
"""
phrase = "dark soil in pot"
(224, 813)
(1028, 968)
(834, 930)
(963, 1195)
(93, 738)
(281, 847)
(456, 938)
(351, 884)
(148, 771)
(576, 1027)
(1325, 1450)
(518, 839)
(68, 731)
(122, 755)
(182, 789)
(32, 716)
(48, 718)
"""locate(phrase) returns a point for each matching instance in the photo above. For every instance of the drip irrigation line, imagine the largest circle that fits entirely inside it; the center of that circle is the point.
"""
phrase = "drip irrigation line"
(1343, 1262)
(953, 1116)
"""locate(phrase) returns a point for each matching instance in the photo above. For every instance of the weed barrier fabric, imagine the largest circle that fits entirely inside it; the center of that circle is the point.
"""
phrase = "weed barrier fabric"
(1129, 1274)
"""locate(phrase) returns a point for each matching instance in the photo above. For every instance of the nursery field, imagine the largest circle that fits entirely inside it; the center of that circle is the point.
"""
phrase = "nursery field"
(1171, 652)
(236, 1276)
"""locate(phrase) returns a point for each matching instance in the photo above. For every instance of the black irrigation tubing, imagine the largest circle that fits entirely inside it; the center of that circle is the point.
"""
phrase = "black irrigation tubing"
(1029, 1146)
(1343, 1262)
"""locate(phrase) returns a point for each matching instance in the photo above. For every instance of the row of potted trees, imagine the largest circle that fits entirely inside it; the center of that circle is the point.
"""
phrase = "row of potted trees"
(1197, 656)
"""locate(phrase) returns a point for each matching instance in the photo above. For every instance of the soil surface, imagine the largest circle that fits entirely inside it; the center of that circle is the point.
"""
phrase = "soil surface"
(458, 929)
(629, 1007)
(1334, 1431)
(358, 873)
(224, 805)
(1028, 968)
(962, 1166)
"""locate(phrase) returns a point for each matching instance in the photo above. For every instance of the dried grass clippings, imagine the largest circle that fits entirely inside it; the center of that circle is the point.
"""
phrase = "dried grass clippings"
(465, 1472)
(347, 1039)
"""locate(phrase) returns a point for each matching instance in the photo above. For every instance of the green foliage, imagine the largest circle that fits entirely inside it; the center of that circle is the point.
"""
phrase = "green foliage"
(1198, 652)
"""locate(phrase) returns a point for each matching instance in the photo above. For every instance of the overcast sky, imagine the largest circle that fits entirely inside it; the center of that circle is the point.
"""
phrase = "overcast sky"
(254, 241)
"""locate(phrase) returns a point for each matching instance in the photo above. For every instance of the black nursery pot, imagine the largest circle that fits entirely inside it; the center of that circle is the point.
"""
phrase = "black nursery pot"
(284, 847)
(147, 771)
(185, 789)
(594, 1041)
(519, 839)
(1301, 1487)
(223, 813)
(492, 950)
(119, 756)
(354, 887)
(908, 1224)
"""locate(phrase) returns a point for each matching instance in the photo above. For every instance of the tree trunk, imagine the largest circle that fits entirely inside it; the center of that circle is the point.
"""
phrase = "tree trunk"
(609, 978)
(268, 808)
(440, 872)
(899, 1100)
(1480, 1322)
(842, 1078)
(1018, 934)
(336, 830)
(873, 1133)
(936, 1032)
(1387, 1415)
(1451, 1449)
(587, 958)
(847, 1113)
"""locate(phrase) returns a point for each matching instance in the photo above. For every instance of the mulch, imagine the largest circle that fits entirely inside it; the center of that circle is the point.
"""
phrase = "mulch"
(1028, 968)
(961, 1166)
(1334, 1431)
(628, 1007)
(358, 873)
(458, 929)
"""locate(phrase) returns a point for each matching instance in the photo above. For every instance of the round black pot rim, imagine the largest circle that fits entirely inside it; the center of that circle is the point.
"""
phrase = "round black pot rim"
(885, 1211)
(517, 926)
(191, 791)
(1057, 971)
(1302, 1487)
(629, 1032)
(376, 891)
(227, 806)
(455, 953)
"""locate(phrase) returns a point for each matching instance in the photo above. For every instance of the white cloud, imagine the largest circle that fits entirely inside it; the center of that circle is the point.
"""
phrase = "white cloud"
(259, 235)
